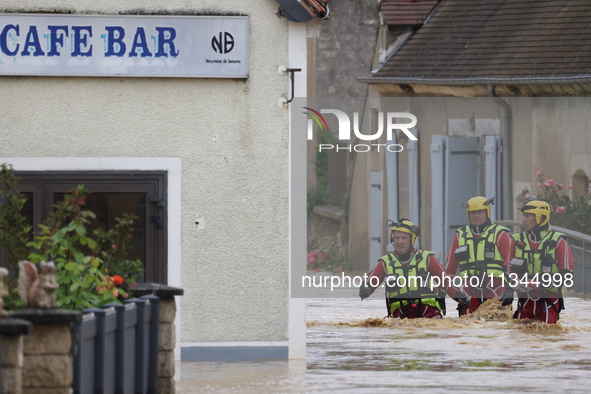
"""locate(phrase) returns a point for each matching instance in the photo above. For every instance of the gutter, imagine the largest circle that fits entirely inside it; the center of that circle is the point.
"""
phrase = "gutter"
(507, 188)
(476, 81)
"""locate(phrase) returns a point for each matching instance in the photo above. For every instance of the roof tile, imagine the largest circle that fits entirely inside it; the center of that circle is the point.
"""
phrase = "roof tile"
(406, 12)
(467, 39)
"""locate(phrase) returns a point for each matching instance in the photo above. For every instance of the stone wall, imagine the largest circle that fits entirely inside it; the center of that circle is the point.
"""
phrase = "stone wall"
(166, 344)
(48, 359)
(345, 48)
(166, 331)
(47, 363)
(12, 332)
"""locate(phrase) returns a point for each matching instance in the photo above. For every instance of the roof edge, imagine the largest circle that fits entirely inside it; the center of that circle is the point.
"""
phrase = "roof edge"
(475, 81)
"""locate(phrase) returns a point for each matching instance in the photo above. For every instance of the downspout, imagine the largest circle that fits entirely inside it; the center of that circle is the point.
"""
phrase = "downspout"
(507, 190)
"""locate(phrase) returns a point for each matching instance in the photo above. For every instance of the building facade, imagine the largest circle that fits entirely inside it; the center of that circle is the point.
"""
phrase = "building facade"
(206, 161)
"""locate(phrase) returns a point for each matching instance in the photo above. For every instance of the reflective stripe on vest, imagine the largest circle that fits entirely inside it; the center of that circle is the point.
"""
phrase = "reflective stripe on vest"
(534, 257)
(412, 292)
(484, 257)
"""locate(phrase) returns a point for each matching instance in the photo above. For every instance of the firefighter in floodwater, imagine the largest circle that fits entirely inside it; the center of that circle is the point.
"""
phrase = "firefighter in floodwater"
(542, 265)
(480, 254)
(409, 277)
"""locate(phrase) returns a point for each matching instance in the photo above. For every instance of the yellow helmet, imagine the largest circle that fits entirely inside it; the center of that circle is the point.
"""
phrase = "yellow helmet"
(478, 203)
(406, 226)
(538, 208)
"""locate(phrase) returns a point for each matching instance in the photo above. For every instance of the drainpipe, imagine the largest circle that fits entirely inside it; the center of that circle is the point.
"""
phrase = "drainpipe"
(507, 189)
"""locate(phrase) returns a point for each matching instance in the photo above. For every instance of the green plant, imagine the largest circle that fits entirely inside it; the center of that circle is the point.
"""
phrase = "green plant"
(320, 194)
(14, 228)
(13, 300)
(574, 214)
(82, 260)
(114, 246)
(326, 256)
(63, 239)
(92, 265)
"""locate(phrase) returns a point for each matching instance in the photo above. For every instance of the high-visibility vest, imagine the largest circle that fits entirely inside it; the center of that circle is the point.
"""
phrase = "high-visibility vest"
(482, 257)
(541, 260)
(416, 288)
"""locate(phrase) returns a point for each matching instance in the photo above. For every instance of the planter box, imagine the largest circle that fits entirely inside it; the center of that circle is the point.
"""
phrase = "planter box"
(115, 349)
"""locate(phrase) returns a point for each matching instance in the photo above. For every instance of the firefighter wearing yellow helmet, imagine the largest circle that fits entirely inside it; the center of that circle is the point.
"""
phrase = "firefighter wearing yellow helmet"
(480, 253)
(542, 265)
(408, 275)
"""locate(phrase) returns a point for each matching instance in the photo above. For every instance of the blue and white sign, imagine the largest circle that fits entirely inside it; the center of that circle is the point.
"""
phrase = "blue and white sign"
(124, 46)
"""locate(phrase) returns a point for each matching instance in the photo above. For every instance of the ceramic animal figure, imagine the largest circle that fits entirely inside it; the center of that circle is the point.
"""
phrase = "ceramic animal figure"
(37, 288)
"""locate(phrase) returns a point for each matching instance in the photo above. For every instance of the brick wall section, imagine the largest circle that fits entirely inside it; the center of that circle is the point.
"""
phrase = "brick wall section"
(12, 332)
(47, 351)
(12, 364)
(166, 331)
(47, 359)
(166, 344)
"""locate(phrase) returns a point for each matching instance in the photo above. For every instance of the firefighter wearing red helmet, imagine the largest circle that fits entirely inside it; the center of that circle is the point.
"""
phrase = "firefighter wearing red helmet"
(542, 265)
(480, 253)
(407, 274)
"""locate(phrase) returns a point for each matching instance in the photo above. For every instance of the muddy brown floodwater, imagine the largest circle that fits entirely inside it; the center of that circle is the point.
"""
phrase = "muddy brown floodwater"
(351, 348)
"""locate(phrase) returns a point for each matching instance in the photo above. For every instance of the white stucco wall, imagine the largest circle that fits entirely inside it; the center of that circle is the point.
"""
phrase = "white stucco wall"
(231, 137)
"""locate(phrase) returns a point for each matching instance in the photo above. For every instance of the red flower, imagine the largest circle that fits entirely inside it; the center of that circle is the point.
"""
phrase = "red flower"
(560, 209)
(117, 280)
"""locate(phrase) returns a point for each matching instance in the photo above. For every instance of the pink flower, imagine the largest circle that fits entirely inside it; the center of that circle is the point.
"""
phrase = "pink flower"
(569, 187)
(559, 186)
(549, 183)
(539, 184)
(114, 246)
(560, 209)
(538, 173)
(321, 255)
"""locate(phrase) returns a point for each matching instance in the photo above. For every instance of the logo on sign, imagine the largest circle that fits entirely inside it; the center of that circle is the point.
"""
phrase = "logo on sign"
(223, 42)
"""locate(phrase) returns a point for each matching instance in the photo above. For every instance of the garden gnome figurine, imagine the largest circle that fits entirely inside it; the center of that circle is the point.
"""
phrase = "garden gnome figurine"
(3, 291)
(37, 289)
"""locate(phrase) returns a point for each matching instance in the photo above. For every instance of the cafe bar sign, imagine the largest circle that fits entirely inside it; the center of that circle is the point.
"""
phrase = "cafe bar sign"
(124, 46)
